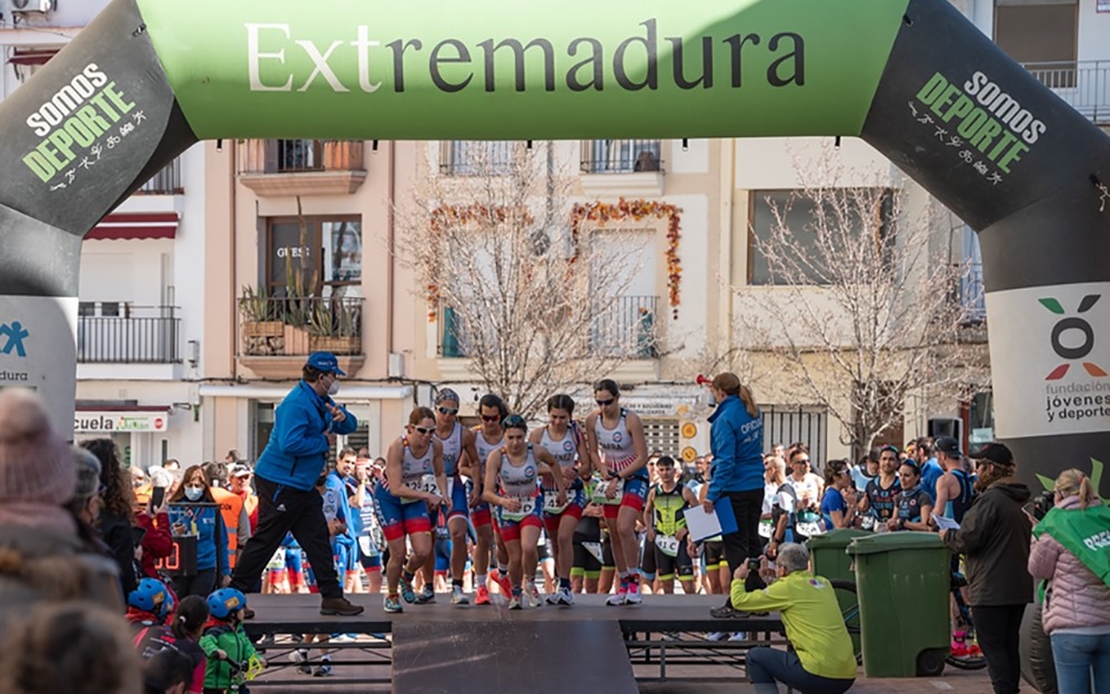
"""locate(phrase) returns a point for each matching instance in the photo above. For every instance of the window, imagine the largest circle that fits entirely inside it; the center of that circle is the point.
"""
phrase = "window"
(1034, 32)
(797, 210)
(315, 256)
(477, 158)
(620, 156)
(787, 424)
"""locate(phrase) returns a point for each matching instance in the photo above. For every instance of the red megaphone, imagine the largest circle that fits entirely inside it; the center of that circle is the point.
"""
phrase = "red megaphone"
(702, 380)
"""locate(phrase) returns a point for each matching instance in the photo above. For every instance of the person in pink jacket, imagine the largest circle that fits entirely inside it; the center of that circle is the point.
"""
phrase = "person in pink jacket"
(1070, 550)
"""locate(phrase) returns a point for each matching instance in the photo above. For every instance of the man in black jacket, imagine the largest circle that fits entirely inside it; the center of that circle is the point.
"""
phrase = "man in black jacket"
(995, 537)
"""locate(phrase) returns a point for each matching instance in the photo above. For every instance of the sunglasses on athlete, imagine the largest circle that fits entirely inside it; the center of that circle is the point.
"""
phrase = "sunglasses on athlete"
(448, 410)
(491, 418)
(605, 403)
(424, 430)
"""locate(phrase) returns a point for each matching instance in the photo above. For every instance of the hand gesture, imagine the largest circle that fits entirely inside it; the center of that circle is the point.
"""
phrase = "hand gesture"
(512, 505)
(220, 654)
(707, 506)
(434, 500)
(562, 498)
(338, 415)
(611, 489)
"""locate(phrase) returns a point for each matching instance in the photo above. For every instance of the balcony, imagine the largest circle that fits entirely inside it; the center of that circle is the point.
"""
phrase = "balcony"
(120, 333)
(624, 327)
(302, 167)
(165, 182)
(1084, 84)
(477, 158)
(639, 164)
(277, 333)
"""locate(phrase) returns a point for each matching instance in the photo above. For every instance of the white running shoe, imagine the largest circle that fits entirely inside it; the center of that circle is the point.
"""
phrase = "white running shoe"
(565, 597)
(717, 636)
(617, 599)
(532, 595)
(634, 597)
(739, 636)
(514, 604)
(458, 597)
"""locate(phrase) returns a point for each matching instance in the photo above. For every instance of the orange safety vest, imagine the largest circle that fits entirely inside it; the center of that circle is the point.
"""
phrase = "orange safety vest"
(231, 507)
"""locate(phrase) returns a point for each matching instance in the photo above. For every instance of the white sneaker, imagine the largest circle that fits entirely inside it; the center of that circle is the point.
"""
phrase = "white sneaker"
(532, 595)
(739, 636)
(565, 597)
(717, 636)
(634, 597)
(458, 597)
(514, 604)
(554, 599)
(300, 657)
(617, 599)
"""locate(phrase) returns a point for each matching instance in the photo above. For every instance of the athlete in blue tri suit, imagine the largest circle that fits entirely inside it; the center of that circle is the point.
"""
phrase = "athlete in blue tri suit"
(414, 480)
(618, 450)
(564, 441)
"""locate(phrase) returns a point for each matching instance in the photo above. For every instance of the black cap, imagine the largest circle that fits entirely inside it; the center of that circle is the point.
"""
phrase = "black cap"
(948, 446)
(995, 452)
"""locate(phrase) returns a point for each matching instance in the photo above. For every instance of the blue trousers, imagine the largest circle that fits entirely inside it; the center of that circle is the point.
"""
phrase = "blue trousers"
(1079, 657)
(768, 666)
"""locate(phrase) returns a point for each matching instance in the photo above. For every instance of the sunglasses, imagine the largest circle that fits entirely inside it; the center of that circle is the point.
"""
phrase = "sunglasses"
(606, 403)
(491, 418)
(424, 430)
(800, 460)
(448, 410)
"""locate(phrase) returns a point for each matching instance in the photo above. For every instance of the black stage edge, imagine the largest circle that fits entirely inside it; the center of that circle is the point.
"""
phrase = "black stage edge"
(299, 614)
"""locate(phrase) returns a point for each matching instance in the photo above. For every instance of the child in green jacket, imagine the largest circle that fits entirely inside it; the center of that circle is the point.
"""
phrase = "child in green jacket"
(225, 643)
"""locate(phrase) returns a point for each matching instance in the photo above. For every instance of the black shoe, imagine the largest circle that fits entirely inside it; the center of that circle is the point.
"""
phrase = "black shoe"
(727, 611)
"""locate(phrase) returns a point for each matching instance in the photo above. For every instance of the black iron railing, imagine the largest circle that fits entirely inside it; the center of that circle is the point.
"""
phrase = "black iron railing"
(621, 156)
(128, 334)
(477, 157)
(277, 327)
(1084, 84)
(296, 156)
(625, 326)
(165, 182)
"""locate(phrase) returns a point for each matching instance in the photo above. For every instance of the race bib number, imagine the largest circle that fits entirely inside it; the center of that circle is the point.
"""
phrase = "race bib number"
(277, 562)
(811, 529)
(427, 484)
(600, 493)
(867, 523)
(527, 508)
(551, 503)
(667, 544)
(366, 545)
(766, 528)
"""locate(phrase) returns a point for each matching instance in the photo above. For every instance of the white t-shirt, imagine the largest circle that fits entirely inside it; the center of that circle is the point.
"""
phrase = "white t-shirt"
(808, 490)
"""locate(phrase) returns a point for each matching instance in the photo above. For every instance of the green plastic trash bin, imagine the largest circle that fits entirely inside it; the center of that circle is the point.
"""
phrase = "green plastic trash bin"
(830, 559)
(903, 580)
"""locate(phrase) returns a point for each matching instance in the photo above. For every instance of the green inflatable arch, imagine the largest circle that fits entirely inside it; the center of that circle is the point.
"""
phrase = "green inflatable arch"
(148, 78)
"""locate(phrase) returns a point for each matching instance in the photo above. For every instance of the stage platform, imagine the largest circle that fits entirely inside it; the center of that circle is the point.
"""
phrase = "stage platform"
(440, 647)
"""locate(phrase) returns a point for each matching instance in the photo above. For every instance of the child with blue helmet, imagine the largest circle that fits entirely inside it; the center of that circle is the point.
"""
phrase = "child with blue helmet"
(225, 642)
(150, 603)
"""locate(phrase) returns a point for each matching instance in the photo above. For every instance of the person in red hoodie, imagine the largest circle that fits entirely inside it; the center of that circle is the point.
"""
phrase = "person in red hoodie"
(149, 604)
(158, 540)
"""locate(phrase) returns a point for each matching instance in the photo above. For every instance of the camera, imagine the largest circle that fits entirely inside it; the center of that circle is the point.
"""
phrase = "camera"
(1043, 503)
(753, 564)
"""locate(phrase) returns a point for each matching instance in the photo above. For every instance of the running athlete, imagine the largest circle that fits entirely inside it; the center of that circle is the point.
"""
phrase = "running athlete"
(512, 484)
(414, 480)
(370, 537)
(586, 572)
(487, 438)
(615, 440)
(878, 501)
(455, 439)
(566, 445)
(666, 535)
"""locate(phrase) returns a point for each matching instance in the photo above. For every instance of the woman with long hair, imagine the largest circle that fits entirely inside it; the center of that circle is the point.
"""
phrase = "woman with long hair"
(563, 440)
(1077, 609)
(193, 511)
(413, 481)
(117, 513)
(512, 485)
(618, 450)
(838, 507)
(736, 440)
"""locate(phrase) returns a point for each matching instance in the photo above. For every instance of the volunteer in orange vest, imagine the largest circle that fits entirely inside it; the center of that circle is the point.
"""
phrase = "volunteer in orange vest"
(231, 508)
(239, 481)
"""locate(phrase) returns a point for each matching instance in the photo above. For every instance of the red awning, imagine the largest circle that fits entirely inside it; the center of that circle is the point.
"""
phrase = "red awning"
(32, 56)
(135, 225)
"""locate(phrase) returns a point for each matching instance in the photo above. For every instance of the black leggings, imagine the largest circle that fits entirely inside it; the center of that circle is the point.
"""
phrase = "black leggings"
(745, 544)
(202, 584)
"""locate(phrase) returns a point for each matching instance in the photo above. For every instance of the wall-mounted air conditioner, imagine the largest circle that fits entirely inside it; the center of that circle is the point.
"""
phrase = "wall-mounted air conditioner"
(25, 6)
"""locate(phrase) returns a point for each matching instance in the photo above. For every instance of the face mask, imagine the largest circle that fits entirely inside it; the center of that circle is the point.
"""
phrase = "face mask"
(193, 493)
(333, 389)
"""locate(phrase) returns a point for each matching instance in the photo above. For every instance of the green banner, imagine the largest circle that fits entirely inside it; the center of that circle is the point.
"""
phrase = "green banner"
(501, 70)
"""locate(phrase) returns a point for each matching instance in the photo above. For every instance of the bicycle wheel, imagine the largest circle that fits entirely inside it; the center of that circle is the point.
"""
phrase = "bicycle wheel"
(967, 662)
(849, 609)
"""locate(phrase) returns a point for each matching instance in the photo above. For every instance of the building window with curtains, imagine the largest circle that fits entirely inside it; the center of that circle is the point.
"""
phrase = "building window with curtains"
(313, 256)
(797, 211)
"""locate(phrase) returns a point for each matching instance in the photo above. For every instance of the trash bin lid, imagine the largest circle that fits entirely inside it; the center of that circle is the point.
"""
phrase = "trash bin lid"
(893, 542)
(835, 539)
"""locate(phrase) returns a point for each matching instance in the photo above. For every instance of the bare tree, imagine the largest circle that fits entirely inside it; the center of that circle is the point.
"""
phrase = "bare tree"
(535, 305)
(861, 307)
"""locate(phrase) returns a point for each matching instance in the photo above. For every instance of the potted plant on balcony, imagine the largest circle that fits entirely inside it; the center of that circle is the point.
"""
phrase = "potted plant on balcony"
(261, 329)
(333, 327)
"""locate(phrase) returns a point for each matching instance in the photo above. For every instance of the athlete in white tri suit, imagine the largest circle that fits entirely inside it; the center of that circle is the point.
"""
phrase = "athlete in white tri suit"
(615, 440)
(413, 481)
(487, 438)
(563, 440)
(455, 439)
(512, 484)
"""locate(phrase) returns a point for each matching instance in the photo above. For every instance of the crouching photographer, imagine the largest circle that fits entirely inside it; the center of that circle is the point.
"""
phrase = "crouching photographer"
(820, 659)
